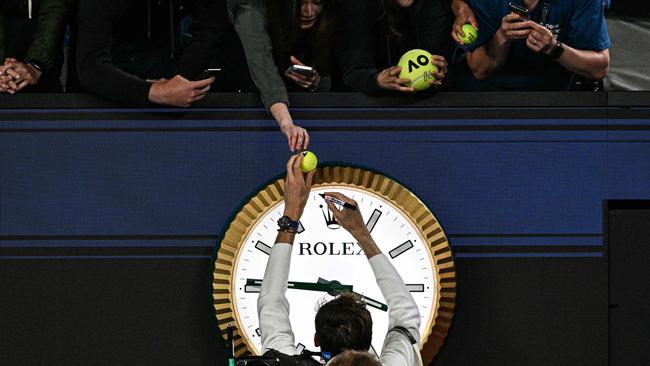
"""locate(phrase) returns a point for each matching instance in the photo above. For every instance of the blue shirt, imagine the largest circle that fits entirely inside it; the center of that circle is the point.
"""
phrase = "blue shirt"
(577, 23)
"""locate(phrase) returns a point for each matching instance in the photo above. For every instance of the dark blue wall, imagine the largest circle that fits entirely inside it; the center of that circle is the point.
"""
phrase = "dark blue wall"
(519, 191)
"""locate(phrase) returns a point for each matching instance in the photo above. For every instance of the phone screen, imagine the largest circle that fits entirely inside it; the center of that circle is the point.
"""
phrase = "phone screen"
(520, 10)
(208, 73)
(302, 70)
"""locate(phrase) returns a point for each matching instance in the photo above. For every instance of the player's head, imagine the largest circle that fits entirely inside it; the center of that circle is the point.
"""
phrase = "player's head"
(343, 323)
(354, 358)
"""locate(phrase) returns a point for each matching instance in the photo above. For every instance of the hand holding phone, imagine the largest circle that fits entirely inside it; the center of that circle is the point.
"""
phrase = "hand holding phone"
(305, 71)
(519, 10)
(207, 73)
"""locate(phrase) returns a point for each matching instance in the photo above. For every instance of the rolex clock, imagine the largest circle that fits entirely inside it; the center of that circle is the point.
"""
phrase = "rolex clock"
(326, 259)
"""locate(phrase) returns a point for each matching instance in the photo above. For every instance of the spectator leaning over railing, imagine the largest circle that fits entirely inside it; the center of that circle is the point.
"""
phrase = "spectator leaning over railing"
(304, 33)
(127, 49)
(560, 38)
(31, 44)
(249, 17)
(377, 33)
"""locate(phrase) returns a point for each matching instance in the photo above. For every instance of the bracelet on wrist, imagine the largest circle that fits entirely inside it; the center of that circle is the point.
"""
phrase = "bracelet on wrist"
(37, 65)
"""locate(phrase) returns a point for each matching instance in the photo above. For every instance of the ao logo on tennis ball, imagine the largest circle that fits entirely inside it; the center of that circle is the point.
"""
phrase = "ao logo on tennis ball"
(416, 65)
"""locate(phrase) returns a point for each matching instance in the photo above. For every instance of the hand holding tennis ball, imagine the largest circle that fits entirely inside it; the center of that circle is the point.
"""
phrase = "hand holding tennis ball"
(418, 67)
(309, 161)
(471, 34)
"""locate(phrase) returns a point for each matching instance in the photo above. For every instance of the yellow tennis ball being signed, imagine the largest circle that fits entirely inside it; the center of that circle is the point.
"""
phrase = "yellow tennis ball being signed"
(470, 34)
(416, 65)
(309, 161)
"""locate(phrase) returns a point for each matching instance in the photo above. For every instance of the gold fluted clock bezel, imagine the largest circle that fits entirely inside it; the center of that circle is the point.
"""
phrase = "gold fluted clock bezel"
(350, 177)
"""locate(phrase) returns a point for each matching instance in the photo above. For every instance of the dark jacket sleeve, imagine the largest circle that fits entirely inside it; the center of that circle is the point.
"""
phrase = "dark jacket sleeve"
(47, 39)
(249, 20)
(96, 72)
(354, 53)
(435, 23)
(207, 29)
(2, 39)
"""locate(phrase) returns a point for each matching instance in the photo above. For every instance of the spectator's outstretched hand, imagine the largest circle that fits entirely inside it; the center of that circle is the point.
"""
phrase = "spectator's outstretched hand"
(540, 39)
(296, 188)
(178, 91)
(464, 15)
(389, 80)
(297, 137)
(514, 27)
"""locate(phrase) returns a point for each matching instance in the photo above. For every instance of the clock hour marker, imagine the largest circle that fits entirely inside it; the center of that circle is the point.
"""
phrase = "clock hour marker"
(263, 248)
(401, 249)
(415, 287)
(372, 221)
(252, 289)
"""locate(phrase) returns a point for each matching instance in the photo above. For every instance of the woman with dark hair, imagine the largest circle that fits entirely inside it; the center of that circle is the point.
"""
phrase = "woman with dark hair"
(304, 32)
(377, 33)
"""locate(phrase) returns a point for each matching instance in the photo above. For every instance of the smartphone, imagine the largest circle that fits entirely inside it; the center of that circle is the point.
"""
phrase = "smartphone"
(518, 9)
(302, 70)
(208, 73)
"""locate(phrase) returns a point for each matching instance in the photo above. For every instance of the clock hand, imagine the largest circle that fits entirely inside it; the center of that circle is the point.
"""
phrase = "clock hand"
(369, 301)
(333, 288)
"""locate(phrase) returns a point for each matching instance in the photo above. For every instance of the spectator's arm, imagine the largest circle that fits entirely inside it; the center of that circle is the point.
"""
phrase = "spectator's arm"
(437, 19)
(249, 19)
(47, 39)
(207, 29)
(586, 50)
(3, 55)
(485, 60)
(94, 61)
(589, 64)
(463, 15)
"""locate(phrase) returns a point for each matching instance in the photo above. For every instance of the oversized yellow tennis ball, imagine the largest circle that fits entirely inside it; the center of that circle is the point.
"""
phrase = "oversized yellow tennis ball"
(470, 34)
(416, 65)
(309, 161)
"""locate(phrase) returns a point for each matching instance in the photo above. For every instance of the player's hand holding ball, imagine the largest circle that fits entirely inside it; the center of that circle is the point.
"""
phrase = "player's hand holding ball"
(309, 161)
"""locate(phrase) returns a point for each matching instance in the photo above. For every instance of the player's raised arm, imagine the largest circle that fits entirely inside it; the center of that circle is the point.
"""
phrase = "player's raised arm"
(403, 312)
(272, 304)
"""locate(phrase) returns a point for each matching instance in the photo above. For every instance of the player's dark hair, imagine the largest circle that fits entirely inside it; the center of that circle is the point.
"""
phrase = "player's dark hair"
(344, 323)
(354, 358)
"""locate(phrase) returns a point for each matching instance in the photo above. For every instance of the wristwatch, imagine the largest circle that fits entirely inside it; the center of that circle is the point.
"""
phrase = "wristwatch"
(286, 224)
(36, 64)
(557, 51)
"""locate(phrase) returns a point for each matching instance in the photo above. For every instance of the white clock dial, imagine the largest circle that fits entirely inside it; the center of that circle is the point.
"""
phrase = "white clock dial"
(325, 251)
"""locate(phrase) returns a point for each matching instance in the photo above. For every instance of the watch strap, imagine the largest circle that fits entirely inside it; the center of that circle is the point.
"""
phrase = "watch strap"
(557, 51)
(286, 224)
(37, 64)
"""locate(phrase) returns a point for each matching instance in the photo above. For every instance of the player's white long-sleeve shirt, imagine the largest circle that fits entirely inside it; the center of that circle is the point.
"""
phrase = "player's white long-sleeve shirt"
(273, 309)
